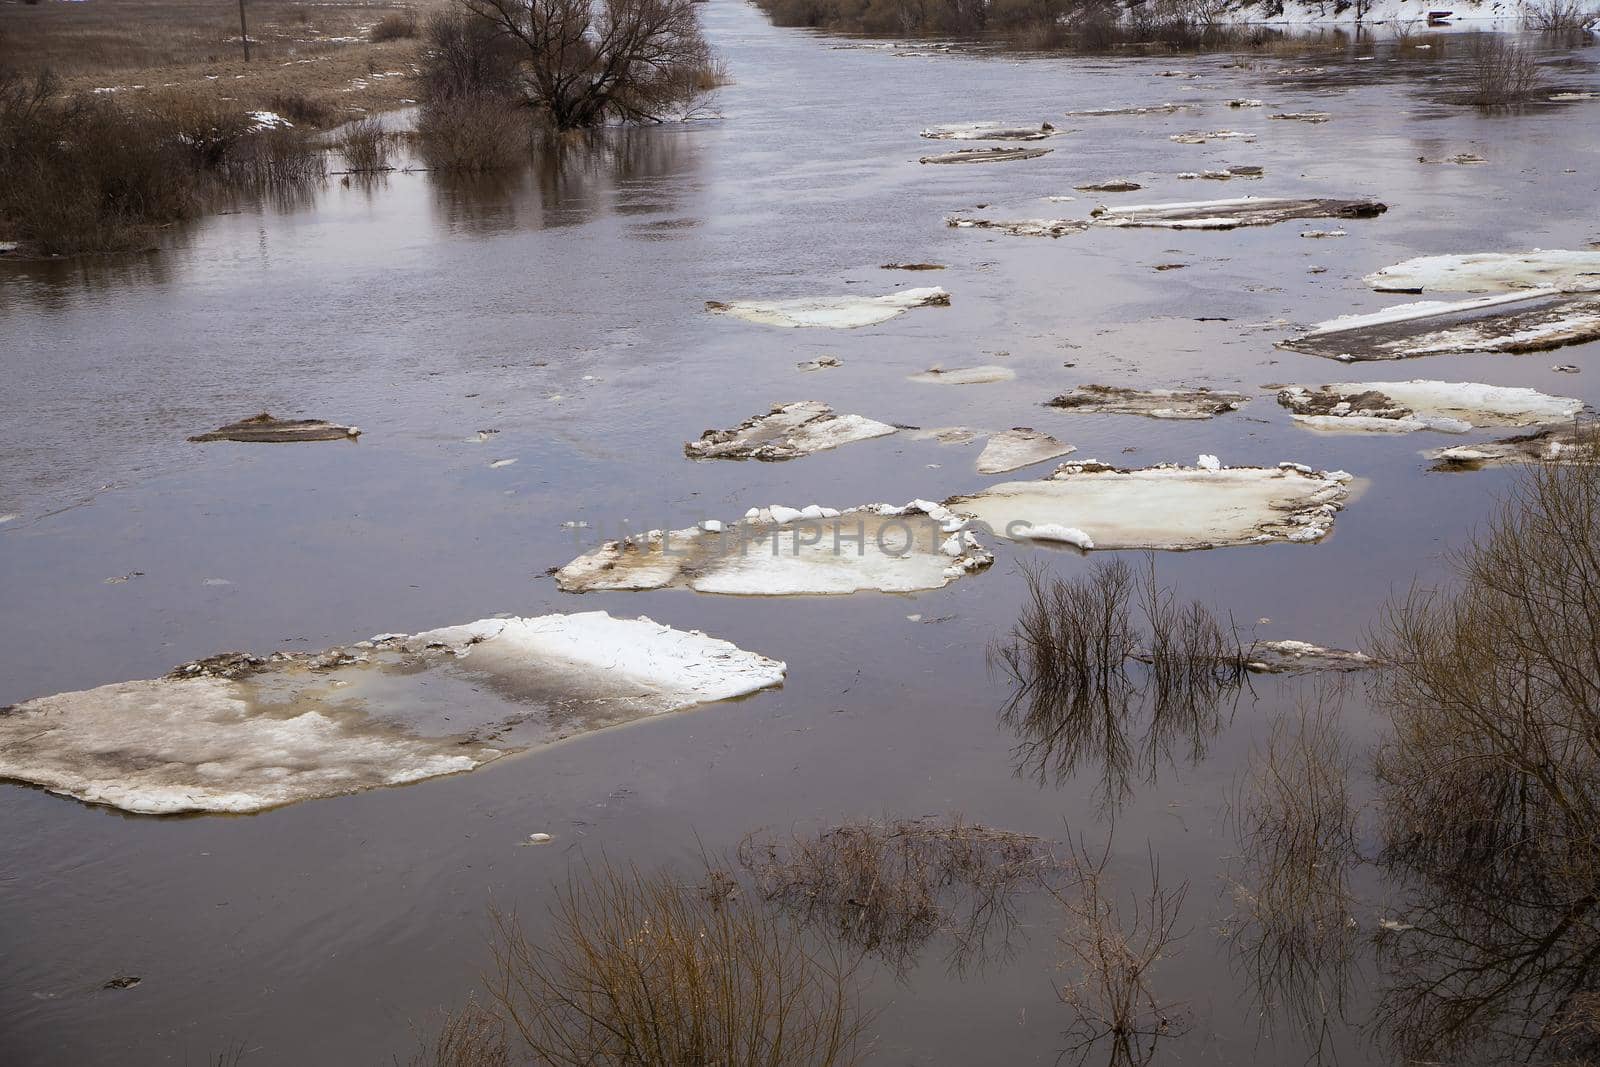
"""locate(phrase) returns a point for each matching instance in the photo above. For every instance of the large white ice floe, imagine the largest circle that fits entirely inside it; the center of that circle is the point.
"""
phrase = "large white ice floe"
(780, 551)
(1021, 446)
(1528, 321)
(1163, 507)
(236, 733)
(1154, 403)
(1492, 272)
(836, 312)
(1552, 444)
(786, 432)
(988, 131)
(1236, 212)
(1420, 404)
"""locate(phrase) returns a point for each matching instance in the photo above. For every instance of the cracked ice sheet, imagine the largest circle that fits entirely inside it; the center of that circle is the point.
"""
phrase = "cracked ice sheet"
(1235, 212)
(1421, 404)
(786, 432)
(1529, 321)
(835, 312)
(390, 711)
(1021, 446)
(1164, 507)
(1491, 272)
(1155, 403)
(782, 551)
(1554, 444)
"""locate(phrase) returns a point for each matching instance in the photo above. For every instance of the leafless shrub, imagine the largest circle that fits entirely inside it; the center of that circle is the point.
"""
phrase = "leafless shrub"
(395, 26)
(1490, 783)
(1294, 933)
(887, 889)
(639, 970)
(469, 1037)
(473, 134)
(1557, 16)
(585, 62)
(1113, 948)
(1500, 72)
(275, 156)
(1074, 696)
(364, 145)
(465, 57)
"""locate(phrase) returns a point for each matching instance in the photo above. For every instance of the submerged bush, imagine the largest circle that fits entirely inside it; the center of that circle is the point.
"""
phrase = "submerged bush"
(473, 134)
(364, 146)
(1500, 72)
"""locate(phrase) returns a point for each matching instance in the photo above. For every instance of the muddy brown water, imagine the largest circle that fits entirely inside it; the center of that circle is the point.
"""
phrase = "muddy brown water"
(563, 307)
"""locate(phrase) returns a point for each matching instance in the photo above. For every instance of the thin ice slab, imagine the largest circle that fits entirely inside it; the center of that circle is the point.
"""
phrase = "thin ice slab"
(1299, 657)
(1224, 175)
(988, 131)
(1234, 213)
(1021, 446)
(1096, 505)
(1554, 444)
(1206, 136)
(1018, 227)
(1152, 403)
(1422, 404)
(236, 733)
(265, 429)
(983, 375)
(782, 551)
(834, 312)
(986, 155)
(1134, 109)
(1516, 322)
(1492, 272)
(788, 431)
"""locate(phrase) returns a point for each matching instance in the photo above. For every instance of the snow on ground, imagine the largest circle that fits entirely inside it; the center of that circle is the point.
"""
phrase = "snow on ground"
(238, 734)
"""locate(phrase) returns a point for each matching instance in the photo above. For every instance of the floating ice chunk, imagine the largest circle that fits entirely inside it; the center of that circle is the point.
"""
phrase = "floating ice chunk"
(1226, 174)
(1293, 657)
(1208, 462)
(1154, 403)
(986, 155)
(988, 131)
(1019, 227)
(1514, 322)
(1322, 234)
(1165, 507)
(820, 363)
(1313, 117)
(1201, 137)
(786, 432)
(1485, 272)
(1244, 103)
(1234, 213)
(1110, 185)
(1021, 446)
(499, 463)
(836, 312)
(237, 734)
(265, 429)
(1147, 109)
(777, 551)
(1049, 531)
(1554, 444)
(984, 375)
(711, 525)
(1421, 404)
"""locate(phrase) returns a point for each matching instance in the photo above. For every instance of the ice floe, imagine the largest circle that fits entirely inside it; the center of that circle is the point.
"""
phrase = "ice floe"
(986, 155)
(1421, 404)
(1295, 657)
(1313, 117)
(1553, 444)
(264, 428)
(1147, 109)
(1154, 403)
(1021, 446)
(984, 375)
(1492, 272)
(835, 312)
(786, 432)
(1528, 321)
(1020, 227)
(988, 131)
(1202, 137)
(237, 733)
(1110, 185)
(780, 551)
(1226, 174)
(1236, 212)
(1164, 507)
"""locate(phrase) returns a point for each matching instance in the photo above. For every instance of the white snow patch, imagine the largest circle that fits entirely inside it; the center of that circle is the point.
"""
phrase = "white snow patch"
(1484, 272)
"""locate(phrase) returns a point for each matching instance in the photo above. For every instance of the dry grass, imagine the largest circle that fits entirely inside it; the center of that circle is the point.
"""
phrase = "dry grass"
(364, 146)
(1092, 685)
(395, 26)
(1490, 784)
(1294, 933)
(640, 970)
(888, 889)
(1114, 949)
(469, 1037)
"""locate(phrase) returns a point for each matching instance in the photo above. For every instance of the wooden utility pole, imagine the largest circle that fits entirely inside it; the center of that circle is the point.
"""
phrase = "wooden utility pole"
(244, 32)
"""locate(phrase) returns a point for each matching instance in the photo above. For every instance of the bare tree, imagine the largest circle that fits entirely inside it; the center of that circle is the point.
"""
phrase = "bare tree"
(587, 61)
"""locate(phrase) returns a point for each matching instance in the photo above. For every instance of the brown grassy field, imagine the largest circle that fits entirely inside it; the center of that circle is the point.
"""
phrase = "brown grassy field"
(319, 50)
